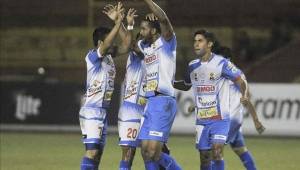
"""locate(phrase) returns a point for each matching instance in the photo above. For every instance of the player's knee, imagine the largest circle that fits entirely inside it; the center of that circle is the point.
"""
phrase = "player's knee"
(217, 152)
(149, 154)
(128, 153)
(205, 157)
(94, 154)
(240, 150)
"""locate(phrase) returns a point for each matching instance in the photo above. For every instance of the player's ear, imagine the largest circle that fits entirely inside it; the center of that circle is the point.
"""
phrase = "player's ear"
(210, 44)
(99, 42)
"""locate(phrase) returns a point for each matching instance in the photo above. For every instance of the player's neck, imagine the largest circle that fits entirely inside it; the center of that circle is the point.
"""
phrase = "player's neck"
(154, 38)
(206, 57)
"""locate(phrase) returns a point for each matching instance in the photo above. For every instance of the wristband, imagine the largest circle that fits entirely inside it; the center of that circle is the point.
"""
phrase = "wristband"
(130, 27)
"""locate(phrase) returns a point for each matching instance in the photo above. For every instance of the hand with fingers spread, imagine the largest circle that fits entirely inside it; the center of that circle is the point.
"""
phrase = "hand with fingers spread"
(115, 13)
(120, 13)
(130, 16)
(151, 17)
(110, 11)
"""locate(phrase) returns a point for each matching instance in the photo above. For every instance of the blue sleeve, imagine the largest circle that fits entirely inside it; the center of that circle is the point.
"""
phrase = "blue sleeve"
(172, 43)
(93, 57)
(230, 71)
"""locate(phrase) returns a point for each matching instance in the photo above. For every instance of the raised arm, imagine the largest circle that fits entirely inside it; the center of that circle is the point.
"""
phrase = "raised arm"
(127, 40)
(112, 35)
(167, 31)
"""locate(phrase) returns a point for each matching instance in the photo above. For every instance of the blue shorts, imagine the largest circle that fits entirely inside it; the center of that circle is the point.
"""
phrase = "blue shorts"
(158, 118)
(214, 132)
(93, 123)
(235, 136)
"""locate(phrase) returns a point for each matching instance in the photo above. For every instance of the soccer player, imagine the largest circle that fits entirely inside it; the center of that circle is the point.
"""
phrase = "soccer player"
(99, 88)
(159, 49)
(235, 136)
(208, 75)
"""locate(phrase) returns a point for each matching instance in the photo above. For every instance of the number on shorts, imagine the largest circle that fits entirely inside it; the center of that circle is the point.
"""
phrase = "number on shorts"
(131, 133)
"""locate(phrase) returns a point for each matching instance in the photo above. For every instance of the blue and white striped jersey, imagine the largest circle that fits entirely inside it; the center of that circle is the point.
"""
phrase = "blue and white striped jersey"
(210, 88)
(100, 79)
(160, 63)
(134, 80)
(134, 99)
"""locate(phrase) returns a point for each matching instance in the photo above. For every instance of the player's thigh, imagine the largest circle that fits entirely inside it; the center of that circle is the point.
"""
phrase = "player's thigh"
(93, 125)
(219, 131)
(128, 132)
(202, 137)
(159, 117)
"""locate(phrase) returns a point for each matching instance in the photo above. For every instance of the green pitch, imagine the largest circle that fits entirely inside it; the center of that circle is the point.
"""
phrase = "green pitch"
(36, 151)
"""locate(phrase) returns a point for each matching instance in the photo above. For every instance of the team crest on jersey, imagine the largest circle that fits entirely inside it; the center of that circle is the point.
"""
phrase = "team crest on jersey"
(212, 76)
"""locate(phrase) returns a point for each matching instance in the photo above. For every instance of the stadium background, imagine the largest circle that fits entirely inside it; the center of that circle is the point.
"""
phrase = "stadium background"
(43, 44)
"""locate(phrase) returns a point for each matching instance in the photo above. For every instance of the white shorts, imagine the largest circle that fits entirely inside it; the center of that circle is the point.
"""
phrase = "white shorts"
(129, 124)
(93, 125)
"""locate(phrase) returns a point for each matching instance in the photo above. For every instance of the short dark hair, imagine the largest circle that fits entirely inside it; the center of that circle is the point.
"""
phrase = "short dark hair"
(99, 34)
(154, 24)
(210, 37)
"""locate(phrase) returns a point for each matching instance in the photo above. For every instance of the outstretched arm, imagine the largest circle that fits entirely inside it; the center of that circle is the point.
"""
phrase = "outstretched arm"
(166, 28)
(112, 35)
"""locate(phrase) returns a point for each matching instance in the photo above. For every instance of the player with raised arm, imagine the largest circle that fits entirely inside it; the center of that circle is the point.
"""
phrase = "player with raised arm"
(159, 49)
(99, 88)
(132, 107)
(208, 75)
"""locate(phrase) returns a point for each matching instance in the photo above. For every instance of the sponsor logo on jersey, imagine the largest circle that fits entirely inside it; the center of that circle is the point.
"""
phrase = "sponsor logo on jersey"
(131, 90)
(206, 89)
(151, 75)
(155, 133)
(206, 103)
(95, 88)
(111, 83)
(150, 59)
(108, 95)
(111, 73)
(152, 85)
(220, 137)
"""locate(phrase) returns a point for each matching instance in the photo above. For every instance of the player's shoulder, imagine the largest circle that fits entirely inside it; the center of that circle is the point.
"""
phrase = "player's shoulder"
(195, 61)
(219, 58)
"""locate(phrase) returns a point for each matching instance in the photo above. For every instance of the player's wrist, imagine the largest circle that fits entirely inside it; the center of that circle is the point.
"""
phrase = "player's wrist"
(130, 27)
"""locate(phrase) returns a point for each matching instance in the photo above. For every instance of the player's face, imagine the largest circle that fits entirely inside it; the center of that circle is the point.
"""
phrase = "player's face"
(201, 45)
(145, 30)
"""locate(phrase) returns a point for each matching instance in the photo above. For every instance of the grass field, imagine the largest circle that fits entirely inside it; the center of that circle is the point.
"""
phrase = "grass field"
(35, 151)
